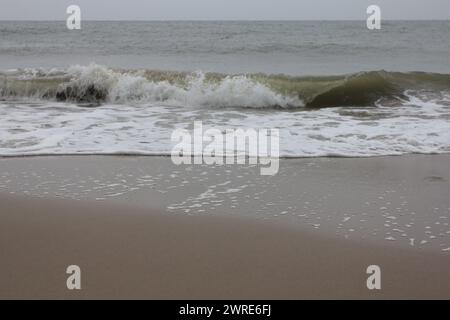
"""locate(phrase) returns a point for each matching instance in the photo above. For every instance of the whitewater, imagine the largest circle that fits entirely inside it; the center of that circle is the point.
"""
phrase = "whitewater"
(94, 109)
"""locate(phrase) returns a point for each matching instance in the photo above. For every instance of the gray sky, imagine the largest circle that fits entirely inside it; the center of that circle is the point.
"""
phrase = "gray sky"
(223, 9)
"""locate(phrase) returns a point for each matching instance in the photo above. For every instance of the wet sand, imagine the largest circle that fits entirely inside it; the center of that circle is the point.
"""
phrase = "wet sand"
(137, 244)
(396, 201)
(126, 253)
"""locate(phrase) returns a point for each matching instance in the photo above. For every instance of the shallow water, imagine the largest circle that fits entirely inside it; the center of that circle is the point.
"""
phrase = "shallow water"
(415, 126)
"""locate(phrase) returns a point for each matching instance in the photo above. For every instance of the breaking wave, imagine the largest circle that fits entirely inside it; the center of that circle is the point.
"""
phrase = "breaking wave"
(97, 84)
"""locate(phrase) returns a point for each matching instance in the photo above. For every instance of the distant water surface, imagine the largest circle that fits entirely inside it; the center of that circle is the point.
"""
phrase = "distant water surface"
(296, 48)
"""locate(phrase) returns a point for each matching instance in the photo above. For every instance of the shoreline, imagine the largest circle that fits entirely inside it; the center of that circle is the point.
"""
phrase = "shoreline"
(162, 155)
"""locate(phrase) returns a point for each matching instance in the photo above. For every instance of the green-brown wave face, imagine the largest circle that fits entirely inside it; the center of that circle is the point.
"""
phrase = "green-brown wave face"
(96, 84)
(361, 89)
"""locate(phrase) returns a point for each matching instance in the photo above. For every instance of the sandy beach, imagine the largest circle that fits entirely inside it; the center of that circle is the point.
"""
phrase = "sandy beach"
(137, 244)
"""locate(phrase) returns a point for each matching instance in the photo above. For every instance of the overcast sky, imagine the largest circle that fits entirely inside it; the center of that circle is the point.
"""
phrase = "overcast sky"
(223, 9)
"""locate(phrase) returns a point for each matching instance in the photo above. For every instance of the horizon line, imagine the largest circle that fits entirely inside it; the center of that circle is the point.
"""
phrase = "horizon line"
(212, 20)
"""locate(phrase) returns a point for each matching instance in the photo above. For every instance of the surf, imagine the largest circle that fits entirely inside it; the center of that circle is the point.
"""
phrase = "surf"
(96, 84)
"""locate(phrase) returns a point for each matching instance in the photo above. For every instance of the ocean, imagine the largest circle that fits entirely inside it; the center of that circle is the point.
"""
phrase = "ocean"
(331, 88)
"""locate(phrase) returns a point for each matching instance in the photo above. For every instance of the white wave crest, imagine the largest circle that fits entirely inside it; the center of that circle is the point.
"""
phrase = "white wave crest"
(231, 91)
